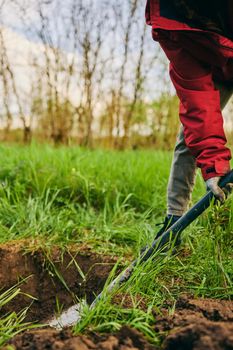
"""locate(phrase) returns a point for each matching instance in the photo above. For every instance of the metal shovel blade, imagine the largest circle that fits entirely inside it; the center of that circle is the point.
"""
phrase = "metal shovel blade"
(68, 318)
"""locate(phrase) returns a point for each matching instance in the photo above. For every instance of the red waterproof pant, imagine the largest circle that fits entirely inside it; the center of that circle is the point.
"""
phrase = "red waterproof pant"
(200, 111)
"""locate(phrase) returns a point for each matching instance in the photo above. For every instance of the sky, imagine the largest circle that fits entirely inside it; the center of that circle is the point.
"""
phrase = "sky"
(23, 40)
(28, 28)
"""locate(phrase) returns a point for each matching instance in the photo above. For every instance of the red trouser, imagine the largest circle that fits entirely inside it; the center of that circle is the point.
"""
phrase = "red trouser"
(200, 110)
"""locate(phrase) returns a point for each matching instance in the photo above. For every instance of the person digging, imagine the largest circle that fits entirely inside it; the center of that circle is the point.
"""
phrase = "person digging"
(197, 38)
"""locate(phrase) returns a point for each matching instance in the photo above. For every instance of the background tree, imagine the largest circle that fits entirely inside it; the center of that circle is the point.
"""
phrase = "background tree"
(85, 72)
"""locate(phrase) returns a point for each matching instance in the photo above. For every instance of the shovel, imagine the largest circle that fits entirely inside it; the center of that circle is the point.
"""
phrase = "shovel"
(72, 315)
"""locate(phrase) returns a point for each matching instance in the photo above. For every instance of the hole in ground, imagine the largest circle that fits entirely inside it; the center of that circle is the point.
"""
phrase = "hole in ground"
(57, 278)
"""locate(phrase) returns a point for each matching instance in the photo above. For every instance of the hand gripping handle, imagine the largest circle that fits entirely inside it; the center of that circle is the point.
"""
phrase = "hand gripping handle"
(175, 230)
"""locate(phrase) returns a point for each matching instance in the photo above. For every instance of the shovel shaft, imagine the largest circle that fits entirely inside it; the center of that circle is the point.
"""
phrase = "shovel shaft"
(191, 215)
(170, 235)
(72, 315)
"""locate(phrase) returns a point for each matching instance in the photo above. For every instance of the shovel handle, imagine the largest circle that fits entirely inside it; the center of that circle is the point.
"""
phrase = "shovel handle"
(172, 233)
(186, 219)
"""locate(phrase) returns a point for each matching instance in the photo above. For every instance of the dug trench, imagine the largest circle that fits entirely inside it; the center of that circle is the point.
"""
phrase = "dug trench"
(196, 324)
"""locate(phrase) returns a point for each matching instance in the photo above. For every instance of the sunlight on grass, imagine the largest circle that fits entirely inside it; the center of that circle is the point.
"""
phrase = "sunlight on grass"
(110, 202)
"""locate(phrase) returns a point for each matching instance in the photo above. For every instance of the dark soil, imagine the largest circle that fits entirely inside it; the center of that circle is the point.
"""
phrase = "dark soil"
(44, 283)
(195, 325)
(125, 339)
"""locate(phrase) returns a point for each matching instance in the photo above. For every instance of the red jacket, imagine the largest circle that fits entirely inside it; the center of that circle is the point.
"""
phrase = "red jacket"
(207, 39)
(158, 15)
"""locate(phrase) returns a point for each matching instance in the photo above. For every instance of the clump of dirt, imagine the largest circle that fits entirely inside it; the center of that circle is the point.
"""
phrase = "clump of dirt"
(201, 336)
(197, 325)
(57, 277)
(125, 339)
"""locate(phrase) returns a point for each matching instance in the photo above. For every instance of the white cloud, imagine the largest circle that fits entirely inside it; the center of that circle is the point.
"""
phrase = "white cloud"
(22, 55)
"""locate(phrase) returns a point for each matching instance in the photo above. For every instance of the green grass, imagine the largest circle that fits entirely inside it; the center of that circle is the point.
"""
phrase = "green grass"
(12, 323)
(111, 201)
(105, 198)
(204, 269)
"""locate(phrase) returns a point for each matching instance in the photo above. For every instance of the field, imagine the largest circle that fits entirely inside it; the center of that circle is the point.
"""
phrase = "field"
(70, 219)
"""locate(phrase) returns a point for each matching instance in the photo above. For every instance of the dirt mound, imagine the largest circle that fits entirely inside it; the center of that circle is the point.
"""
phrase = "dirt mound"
(201, 336)
(125, 339)
(197, 325)
(57, 277)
